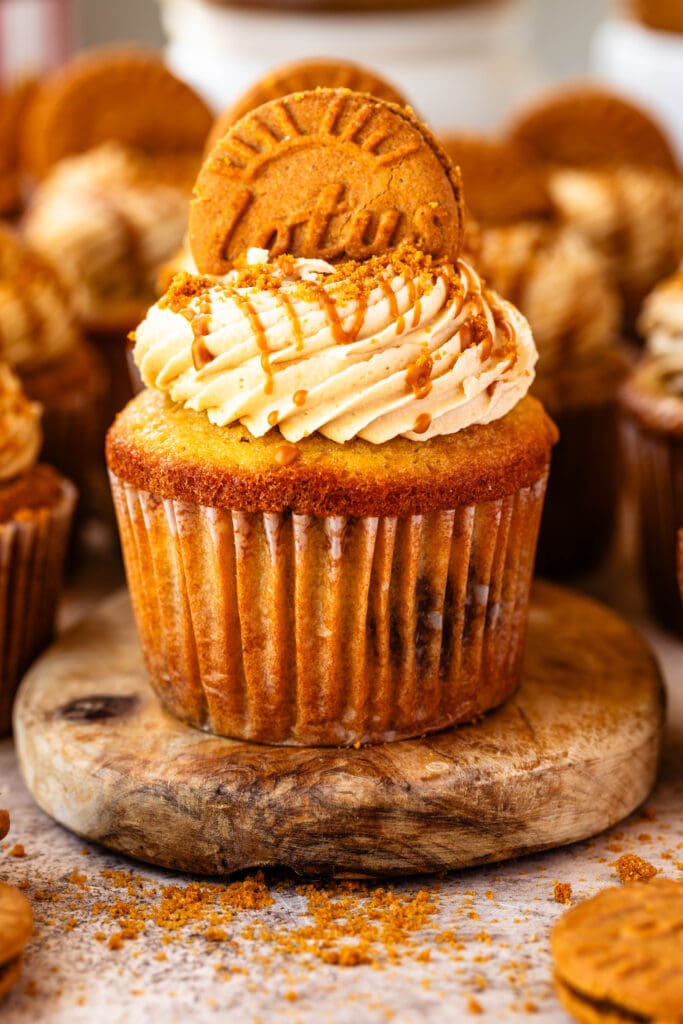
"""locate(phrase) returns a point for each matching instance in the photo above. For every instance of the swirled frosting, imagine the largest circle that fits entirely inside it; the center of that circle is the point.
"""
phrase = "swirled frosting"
(632, 214)
(108, 223)
(400, 345)
(560, 283)
(20, 433)
(37, 325)
(661, 318)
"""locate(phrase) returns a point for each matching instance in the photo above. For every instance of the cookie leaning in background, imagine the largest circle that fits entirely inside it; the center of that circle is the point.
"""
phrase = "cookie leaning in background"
(16, 925)
(36, 506)
(329, 494)
(618, 956)
(612, 175)
(4, 823)
(302, 76)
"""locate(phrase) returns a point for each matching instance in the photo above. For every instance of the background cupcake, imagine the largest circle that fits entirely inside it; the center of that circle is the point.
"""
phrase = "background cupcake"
(562, 285)
(113, 142)
(36, 506)
(329, 495)
(613, 175)
(652, 401)
(42, 342)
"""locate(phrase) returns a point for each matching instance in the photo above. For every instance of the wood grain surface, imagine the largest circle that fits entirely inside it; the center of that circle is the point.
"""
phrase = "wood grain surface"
(574, 751)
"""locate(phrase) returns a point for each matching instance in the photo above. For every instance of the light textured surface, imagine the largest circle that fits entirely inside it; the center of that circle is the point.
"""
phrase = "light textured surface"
(501, 914)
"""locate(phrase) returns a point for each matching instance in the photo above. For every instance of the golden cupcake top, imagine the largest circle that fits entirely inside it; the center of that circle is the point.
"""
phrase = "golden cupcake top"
(20, 433)
(37, 325)
(402, 344)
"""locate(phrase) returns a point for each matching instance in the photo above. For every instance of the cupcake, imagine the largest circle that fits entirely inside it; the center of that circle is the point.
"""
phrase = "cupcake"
(113, 142)
(329, 493)
(614, 177)
(652, 402)
(42, 342)
(562, 286)
(36, 506)
(14, 102)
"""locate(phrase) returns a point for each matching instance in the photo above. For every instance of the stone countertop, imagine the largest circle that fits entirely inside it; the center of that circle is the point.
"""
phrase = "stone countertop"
(437, 949)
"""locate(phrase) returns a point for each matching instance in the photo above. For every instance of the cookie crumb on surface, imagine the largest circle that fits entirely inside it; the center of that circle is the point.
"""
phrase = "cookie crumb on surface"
(632, 868)
(562, 893)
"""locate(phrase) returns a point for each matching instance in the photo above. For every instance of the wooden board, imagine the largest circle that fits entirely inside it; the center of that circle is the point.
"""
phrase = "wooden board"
(572, 753)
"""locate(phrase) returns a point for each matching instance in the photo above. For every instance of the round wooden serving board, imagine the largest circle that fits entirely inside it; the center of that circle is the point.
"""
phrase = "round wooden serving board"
(573, 752)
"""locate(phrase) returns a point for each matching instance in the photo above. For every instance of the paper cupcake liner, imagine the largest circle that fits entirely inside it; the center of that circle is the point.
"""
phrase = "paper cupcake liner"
(580, 510)
(296, 629)
(656, 464)
(32, 550)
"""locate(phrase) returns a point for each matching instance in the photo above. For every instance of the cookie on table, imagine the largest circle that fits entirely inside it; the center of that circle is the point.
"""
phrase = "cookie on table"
(4, 823)
(16, 925)
(586, 126)
(302, 76)
(121, 94)
(618, 957)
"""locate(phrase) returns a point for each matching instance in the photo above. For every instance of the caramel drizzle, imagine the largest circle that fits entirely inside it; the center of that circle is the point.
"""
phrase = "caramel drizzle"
(286, 454)
(273, 418)
(328, 305)
(418, 376)
(200, 322)
(299, 397)
(390, 296)
(422, 423)
(245, 307)
(288, 307)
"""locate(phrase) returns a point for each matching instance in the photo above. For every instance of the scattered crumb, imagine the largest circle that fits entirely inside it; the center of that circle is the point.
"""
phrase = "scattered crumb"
(17, 850)
(632, 868)
(562, 893)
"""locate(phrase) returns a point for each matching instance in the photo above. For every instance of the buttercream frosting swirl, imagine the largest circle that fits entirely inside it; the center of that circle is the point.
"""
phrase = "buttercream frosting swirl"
(661, 318)
(37, 325)
(20, 433)
(400, 345)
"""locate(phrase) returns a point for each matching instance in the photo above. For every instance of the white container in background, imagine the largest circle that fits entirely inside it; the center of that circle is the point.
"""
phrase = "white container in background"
(460, 67)
(35, 36)
(646, 65)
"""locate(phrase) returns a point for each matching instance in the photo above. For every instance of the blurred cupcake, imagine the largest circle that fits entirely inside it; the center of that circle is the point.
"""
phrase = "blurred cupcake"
(113, 142)
(329, 493)
(613, 176)
(14, 102)
(36, 506)
(652, 401)
(42, 343)
(562, 286)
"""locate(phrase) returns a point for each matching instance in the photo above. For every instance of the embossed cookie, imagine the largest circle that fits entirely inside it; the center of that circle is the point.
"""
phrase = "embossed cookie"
(117, 93)
(584, 126)
(302, 76)
(501, 180)
(16, 925)
(619, 956)
(328, 173)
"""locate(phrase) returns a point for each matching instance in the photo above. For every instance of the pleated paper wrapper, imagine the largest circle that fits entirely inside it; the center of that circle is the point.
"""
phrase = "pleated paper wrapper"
(287, 628)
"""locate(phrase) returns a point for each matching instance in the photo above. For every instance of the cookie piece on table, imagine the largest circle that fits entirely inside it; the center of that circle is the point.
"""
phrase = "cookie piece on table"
(618, 956)
(16, 925)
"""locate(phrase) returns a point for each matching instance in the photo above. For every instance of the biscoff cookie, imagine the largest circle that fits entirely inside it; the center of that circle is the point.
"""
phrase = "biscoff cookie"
(584, 126)
(502, 180)
(16, 925)
(618, 956)
(4, 823)
(119, 93)
(664, 15)
(302, 76)
(368, 175)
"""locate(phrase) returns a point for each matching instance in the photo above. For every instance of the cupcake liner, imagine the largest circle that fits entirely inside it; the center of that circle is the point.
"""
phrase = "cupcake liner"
(656, 463)
(311, 630)
(32, 550)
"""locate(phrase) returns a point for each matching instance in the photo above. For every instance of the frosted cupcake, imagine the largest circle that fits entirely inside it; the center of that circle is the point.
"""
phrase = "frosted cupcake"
(652, 401)
(42, 342)
(36, 506)
(329, 494)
